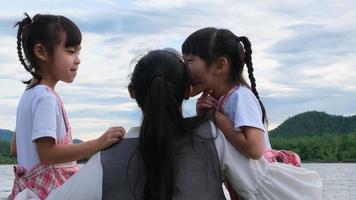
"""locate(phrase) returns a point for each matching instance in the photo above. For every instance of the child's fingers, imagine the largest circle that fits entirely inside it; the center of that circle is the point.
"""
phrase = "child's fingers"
(211, 98)
(117, 128)
(206, 102)
(118, 131)
(211, 101)
(115, 140)
(207, 92)
(117, 134)
(207, 98)
(205, 105)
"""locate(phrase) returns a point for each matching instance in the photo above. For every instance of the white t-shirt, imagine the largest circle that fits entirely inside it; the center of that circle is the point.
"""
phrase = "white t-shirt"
(39, 114)
(243, 108)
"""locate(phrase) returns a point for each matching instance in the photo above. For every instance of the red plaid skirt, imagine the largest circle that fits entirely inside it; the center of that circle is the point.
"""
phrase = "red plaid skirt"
(41, 179)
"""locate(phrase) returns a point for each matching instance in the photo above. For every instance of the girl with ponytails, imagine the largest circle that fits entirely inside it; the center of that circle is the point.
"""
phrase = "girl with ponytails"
(48, 48)
(216, 58)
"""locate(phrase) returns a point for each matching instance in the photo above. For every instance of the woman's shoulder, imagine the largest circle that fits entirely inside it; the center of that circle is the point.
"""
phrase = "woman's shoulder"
(128, 144)
(133, 132)
(203, 130)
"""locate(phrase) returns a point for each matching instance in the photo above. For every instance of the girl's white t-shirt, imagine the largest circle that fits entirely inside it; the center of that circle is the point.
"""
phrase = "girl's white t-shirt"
(243, 108)
(39, 114)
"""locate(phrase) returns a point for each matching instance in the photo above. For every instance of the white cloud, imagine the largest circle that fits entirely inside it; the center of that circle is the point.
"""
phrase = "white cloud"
(302, 51)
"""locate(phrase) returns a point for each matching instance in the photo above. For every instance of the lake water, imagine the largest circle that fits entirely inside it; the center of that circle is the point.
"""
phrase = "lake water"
(339, 180)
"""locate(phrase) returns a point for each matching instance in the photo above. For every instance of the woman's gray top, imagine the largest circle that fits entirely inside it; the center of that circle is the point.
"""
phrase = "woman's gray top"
(197, 173)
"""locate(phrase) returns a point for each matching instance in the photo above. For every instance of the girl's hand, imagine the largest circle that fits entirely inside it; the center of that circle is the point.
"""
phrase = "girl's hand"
(51, 153)
(222, 122)
(205, 103)
(110, 137)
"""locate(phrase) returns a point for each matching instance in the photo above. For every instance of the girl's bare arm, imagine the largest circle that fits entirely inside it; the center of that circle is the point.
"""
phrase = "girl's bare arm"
(249, 141)
(51, 153)
(13, 149)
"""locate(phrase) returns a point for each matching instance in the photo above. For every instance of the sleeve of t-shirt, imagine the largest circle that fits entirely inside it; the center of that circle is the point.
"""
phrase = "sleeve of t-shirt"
(248, 111)
(44, 118)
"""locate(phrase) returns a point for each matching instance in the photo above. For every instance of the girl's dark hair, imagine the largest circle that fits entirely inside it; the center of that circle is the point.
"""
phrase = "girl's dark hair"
(159, 82)
(47, 30)
(211, 43)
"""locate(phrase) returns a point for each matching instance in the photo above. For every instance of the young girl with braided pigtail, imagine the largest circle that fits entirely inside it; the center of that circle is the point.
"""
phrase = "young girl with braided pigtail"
(216, 58)
(43, 141)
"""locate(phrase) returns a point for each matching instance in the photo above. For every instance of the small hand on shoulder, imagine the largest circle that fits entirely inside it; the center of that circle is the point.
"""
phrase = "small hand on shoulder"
(110, 137)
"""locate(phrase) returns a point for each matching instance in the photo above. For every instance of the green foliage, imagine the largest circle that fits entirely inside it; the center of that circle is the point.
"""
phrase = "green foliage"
(5, 157)
(327, 148)
(318, 137)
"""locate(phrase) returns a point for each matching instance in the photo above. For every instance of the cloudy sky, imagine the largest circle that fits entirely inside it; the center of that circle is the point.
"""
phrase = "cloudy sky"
(304, 53)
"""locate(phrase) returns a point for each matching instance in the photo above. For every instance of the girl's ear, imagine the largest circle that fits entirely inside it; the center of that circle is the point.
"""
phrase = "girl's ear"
(188, 92)
(221, 65)
(40, 52)
(131, 91)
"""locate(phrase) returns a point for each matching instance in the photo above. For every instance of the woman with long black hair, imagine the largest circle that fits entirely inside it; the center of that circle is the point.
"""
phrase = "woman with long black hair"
(167, 157)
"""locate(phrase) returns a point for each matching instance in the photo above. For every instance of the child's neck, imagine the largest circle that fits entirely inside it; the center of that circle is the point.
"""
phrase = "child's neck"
(222, 89)
(49, 83)
(47, 78)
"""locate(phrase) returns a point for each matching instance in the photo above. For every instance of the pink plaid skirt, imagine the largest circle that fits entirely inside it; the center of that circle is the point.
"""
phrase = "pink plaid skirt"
(271, 155)
(41, 179)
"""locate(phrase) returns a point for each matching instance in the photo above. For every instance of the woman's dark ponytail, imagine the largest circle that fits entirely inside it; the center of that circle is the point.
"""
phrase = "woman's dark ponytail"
(159, 82)
(162, 123)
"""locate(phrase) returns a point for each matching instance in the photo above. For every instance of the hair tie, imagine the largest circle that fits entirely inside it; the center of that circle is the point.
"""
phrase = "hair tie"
(158, 75)
(26, 22)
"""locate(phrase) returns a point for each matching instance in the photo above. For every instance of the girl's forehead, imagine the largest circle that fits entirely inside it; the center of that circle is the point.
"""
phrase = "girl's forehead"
(64, 37)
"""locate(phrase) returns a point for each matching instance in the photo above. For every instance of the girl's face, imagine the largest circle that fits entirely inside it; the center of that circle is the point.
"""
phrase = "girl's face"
(65, 62)
(201, 73)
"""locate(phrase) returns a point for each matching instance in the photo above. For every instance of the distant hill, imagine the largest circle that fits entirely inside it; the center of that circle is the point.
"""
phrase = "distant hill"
(5, 135)
(315, 123)
(5, 142)
(317, 137)
(77, 141)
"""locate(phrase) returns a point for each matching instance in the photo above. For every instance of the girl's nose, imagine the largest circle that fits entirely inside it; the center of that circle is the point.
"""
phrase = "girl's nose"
(77, 61)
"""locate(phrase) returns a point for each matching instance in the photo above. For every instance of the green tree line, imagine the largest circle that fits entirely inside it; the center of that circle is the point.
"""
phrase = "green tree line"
(5, 156)
(326, 148)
